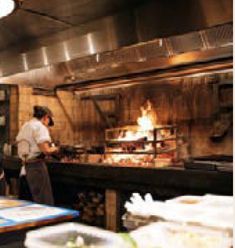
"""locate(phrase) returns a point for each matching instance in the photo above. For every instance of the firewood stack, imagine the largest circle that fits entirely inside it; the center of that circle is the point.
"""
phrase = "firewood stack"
(91, 205)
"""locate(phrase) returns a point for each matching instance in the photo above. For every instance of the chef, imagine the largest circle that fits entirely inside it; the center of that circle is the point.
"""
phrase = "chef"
(34, 143)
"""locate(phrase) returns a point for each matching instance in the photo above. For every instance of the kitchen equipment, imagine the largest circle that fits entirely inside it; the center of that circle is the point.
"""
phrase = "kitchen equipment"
(211, 163)
(131, 145)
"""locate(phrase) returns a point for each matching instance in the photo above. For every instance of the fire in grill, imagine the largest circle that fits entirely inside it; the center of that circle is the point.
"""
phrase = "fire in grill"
(145, 144)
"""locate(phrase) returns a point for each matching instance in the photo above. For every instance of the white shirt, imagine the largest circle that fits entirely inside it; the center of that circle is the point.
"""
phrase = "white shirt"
(30, 135)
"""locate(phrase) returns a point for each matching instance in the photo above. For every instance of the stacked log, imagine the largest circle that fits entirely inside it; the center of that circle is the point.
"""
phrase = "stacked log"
(91, 205)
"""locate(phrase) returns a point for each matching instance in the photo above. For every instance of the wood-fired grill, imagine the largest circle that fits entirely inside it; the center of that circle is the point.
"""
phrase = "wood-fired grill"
(145, 144)
(157, 151)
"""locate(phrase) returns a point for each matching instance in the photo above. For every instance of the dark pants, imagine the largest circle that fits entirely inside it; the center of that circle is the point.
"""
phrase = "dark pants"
(2, 186)
(25, 193)
(37, 184)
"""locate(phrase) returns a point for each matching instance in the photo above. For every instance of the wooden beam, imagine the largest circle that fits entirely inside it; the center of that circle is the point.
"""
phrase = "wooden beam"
(70, 121)
(112, 209)
(101, 97)
(101, 113)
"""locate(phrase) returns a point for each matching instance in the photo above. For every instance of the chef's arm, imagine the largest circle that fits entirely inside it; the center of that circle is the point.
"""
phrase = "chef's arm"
(47, 149)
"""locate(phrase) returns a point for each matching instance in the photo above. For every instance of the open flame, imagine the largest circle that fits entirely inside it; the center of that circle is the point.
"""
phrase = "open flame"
(147, 121)
(136, 145)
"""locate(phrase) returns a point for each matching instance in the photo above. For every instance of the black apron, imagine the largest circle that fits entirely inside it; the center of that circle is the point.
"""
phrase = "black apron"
(38, 180)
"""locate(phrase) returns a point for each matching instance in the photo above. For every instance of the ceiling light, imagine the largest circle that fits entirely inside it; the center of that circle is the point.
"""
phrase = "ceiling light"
(7, 7)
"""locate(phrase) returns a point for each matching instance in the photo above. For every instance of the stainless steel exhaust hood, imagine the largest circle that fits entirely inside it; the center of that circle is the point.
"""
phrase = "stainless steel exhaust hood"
(156, 35)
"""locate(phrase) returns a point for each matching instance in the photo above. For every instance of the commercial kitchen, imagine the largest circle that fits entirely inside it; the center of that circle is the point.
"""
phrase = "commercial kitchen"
(140, 95)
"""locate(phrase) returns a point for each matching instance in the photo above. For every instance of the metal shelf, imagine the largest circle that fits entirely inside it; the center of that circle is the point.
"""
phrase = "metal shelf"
(141, 152)
(139, 141)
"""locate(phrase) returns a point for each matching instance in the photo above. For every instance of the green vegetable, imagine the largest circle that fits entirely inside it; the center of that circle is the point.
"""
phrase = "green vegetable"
(71, 244)
(128, 239)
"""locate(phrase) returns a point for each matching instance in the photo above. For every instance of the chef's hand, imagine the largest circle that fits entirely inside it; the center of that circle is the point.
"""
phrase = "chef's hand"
(47, 149)
(55, 149)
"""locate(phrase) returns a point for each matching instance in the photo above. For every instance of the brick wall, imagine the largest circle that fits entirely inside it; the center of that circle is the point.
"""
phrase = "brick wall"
(14, 103)
(63, 107)
(189, 103)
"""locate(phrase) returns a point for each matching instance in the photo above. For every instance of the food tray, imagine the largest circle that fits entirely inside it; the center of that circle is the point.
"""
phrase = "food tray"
(172, 235)
(187, 199)
(213, 211)
(58, 236)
